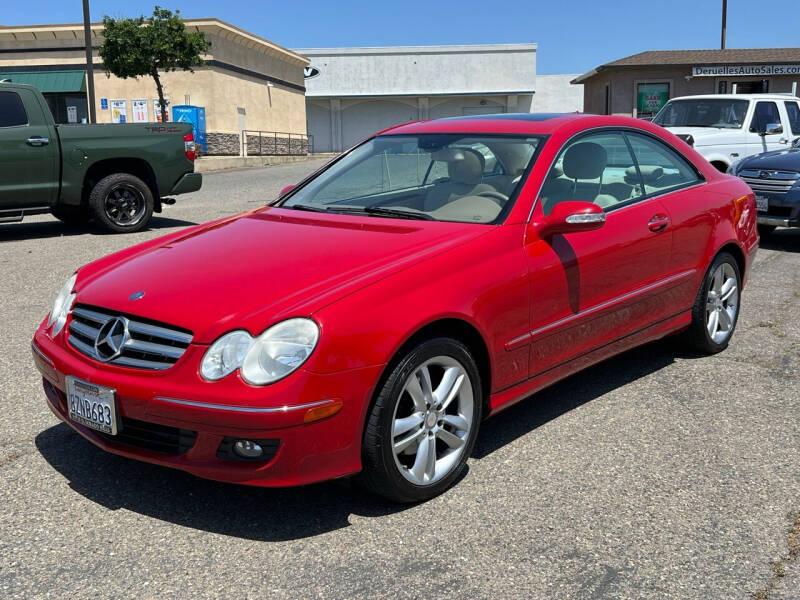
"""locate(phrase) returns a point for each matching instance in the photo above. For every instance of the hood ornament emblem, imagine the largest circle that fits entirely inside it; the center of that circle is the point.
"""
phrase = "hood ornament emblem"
(136, 296)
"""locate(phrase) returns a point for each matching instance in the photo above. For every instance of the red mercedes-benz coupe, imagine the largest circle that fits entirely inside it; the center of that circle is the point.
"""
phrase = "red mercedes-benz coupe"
(370, 318)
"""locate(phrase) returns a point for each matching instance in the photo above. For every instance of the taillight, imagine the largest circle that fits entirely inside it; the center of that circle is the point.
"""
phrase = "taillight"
(188, 146)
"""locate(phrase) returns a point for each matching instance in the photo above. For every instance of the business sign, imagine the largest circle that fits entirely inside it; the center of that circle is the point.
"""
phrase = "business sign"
(72, 114)
(139, 108)
(119, 111)
(745, 70)
(157, 109)
(309, 72)
(651, 97)
(103, 103)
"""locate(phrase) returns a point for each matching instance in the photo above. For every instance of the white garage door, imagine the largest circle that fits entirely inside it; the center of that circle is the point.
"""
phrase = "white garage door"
(365, 118)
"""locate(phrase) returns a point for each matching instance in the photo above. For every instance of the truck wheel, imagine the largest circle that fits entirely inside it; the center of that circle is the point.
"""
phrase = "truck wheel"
(121, 203)
(71, 215)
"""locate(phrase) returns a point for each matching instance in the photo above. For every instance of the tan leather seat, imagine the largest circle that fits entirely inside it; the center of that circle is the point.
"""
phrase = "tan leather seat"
(584, 160)
(465, 170)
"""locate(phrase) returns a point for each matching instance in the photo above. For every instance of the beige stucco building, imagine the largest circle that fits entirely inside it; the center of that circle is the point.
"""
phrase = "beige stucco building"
(247, 82)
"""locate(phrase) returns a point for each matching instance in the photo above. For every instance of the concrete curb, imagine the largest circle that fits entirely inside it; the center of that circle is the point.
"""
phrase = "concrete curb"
(209, 164)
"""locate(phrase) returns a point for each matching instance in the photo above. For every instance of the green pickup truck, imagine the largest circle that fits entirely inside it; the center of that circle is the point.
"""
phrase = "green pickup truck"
(117, 175)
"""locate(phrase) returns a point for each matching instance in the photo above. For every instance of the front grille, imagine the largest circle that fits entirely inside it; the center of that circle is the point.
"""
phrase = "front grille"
(774, 182)
(151, 436)
(143, 344)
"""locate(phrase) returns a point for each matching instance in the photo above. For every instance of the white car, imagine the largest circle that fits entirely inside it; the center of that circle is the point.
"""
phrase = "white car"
(725, 128)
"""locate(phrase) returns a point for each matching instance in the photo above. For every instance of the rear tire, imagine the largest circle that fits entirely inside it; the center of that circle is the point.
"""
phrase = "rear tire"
(423, 424)
(765, 230)
(71, 215)
(716, 308)
(121, 203)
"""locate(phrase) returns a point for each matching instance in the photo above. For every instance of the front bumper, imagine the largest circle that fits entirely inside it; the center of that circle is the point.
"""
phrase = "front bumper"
(783, 211)
(210, 413)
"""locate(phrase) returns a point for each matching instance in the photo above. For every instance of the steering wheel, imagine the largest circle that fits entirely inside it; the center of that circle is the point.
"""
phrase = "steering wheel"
(501, 199)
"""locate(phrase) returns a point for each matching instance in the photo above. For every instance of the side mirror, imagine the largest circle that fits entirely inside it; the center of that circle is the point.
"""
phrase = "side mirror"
(796, 143)
(286, 190)
(569, 217)
(773, 128)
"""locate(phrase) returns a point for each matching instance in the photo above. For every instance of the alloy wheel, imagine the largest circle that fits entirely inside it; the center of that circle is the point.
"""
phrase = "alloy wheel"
(124, 205)
(432, 420)
(722, 303)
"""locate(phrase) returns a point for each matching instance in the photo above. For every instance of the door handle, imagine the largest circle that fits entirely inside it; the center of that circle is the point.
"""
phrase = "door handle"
(783, 141)
(37, 140)
(658, 223)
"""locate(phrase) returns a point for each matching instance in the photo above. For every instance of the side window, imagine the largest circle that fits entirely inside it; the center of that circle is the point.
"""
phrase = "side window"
(12, 111)
(595, 168)
(660, 167)
(766, 113)
(793, 110)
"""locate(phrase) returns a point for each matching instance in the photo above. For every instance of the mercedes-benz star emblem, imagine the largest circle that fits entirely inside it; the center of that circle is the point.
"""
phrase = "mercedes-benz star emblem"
(136, 296)
(111, 339)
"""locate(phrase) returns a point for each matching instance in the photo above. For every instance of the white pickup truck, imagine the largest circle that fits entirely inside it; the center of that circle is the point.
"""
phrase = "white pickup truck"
(725, 128)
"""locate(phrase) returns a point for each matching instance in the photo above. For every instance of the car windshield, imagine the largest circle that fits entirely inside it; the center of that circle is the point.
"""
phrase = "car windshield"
(722, 113)
(443, 177)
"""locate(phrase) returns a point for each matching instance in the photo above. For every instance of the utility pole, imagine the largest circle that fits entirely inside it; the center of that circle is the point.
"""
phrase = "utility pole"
(724, 22)
(87, 35)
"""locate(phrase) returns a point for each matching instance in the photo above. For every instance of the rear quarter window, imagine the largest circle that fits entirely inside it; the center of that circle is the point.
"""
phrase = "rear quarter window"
(12, 111)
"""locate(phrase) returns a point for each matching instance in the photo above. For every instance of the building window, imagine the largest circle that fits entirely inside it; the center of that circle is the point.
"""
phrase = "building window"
(607, 109)
(752, 87)
(722, 87)
(650, 98)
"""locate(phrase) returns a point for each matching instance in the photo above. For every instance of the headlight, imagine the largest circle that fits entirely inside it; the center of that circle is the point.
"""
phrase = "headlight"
(62, 306)
(273, 355)
(225, 355)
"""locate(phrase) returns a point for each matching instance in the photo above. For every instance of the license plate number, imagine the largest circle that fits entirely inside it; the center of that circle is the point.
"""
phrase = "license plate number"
(92, 405)
(762, 203)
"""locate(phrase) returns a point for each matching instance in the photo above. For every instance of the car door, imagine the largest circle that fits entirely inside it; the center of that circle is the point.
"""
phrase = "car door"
(28, 153)
(765, 115)
(590, 288)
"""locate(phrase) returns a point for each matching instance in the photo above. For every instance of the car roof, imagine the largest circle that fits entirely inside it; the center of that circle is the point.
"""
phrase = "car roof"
(786, 96)
(513, 123)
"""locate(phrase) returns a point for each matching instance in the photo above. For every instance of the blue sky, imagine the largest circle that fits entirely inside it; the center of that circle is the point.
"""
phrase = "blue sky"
(573, 36)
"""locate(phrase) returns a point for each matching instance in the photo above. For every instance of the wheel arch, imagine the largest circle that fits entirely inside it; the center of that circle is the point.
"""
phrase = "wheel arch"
(133, 166)
(734, 250)
(456, 328)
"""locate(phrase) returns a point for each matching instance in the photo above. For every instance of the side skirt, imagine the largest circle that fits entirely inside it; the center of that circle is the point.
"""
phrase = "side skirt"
(510, 396)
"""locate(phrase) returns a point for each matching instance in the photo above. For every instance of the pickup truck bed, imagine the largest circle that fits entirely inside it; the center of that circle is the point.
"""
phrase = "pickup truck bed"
(116, 174)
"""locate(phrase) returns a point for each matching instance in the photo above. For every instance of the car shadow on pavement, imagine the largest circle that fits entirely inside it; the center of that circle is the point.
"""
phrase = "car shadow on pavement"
(11, 232)
(782, 240)
(260, 514)
(265, 514)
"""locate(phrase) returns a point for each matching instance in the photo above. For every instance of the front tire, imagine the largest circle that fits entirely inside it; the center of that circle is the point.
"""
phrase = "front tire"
(716, 308)
(121, 203)
(423, 424)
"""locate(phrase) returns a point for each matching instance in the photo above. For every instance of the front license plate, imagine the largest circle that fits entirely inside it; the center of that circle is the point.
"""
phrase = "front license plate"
(92, 405)
(762, 203)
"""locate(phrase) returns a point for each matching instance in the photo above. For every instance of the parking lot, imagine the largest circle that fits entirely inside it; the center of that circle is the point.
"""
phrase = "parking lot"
(657, 474)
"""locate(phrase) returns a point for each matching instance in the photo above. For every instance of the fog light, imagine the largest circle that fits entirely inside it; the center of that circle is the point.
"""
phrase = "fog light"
(247, 449)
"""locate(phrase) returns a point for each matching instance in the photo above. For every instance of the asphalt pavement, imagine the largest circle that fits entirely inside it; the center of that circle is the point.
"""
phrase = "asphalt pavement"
(657, 474)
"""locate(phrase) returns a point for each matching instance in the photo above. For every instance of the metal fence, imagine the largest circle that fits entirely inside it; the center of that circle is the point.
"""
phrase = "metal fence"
(275, 143)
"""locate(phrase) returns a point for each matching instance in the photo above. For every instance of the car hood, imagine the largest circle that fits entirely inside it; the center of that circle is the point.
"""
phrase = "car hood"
(778, 160)
(708, 136)
(252, 270)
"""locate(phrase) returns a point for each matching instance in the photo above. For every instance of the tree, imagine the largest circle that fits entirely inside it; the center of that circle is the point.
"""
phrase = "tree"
(146, 45)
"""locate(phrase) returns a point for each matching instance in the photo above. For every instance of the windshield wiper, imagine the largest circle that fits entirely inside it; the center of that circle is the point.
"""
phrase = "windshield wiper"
(396, 212)
(305, 207)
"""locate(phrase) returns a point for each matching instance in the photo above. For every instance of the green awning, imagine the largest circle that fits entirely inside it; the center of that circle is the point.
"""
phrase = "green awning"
(49, 81)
